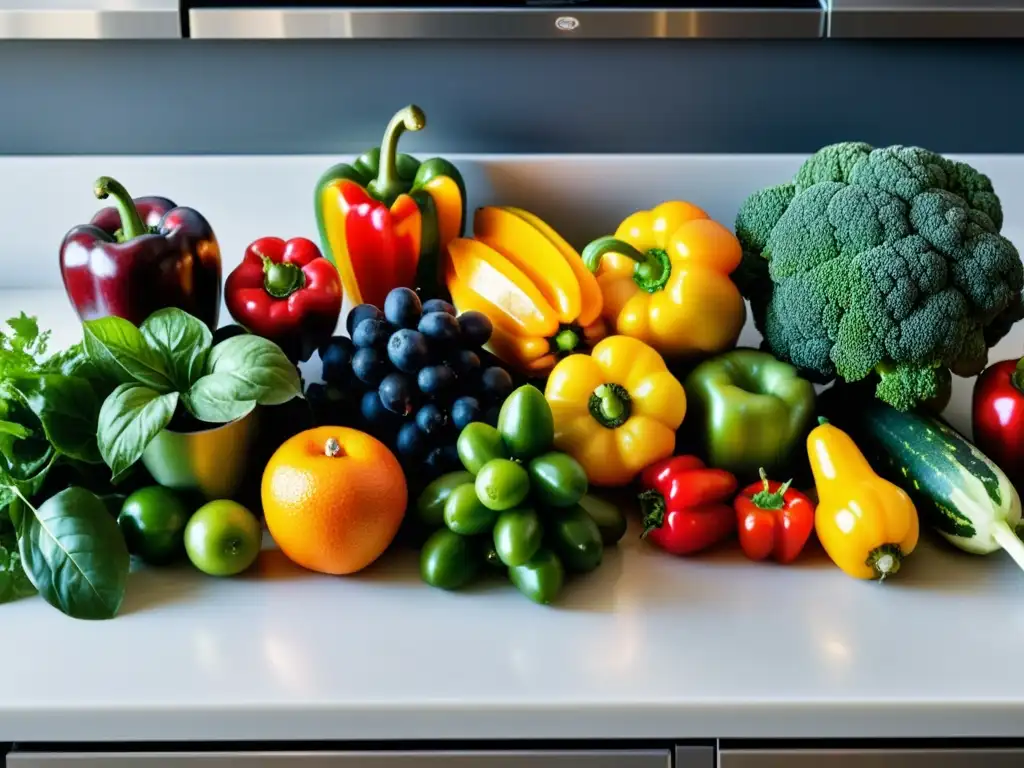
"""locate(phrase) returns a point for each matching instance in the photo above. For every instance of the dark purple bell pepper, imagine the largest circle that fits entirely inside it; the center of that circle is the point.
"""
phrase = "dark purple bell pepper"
(140, 256)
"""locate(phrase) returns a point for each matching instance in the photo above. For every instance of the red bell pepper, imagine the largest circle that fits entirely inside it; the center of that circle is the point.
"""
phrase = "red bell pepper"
(286, 292)
(686, 505)
(773, 519)
(997, 417)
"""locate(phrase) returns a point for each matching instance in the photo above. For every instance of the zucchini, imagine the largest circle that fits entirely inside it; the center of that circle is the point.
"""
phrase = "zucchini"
(958, 491)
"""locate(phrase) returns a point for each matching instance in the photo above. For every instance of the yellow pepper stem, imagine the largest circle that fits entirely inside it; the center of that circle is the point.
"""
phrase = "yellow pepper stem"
(566, 340)
(885, 560)
(610, 405)
(653, 266)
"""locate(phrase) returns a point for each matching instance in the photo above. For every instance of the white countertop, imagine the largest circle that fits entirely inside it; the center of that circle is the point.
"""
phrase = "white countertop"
(648, 646)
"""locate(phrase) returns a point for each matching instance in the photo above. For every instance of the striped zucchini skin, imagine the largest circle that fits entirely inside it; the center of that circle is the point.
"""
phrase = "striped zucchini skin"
(957, 490)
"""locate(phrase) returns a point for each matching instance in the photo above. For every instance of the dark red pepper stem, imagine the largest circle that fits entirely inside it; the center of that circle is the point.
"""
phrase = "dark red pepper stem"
(282, 280)
(389, 185)
(1017, 377)
(652, 510)
(767, 500)
(132, 225)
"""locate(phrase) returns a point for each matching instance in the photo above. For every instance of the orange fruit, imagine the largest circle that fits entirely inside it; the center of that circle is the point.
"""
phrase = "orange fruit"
(333, 499)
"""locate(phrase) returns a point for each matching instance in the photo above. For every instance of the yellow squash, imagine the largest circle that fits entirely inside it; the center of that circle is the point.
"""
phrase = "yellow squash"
(616, 410)
(532, 285)
(865, 523)
(664, 277)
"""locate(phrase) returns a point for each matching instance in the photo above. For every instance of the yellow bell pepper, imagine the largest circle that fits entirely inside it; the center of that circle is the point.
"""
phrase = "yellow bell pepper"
(866, 524)
(664, 277)
(532, 285)
(617, 410)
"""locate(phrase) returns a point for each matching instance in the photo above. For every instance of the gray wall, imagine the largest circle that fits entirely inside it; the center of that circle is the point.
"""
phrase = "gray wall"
(555, 96)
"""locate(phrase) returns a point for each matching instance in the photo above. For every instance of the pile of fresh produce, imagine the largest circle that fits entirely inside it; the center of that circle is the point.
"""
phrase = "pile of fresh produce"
(498, 382)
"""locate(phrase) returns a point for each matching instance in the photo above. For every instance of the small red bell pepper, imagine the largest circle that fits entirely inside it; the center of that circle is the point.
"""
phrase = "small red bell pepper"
(997, 417)
(686, 505)
(773, 519)
(286, 292)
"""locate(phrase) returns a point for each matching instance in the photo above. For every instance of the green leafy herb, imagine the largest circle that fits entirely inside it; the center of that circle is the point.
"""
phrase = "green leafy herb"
(129, 420)
(169, 361)
(73, 552)
(67, 409)
(120, 351)
(245, 371)
(22, 346)
(182, 342)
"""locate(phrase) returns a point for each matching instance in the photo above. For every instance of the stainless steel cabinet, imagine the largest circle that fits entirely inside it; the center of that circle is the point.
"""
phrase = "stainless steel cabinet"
(517, 759)
(871, 758)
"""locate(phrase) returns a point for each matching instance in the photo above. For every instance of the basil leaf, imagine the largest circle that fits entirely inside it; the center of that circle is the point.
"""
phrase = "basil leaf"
(67, 408)
(259, 368)
(17, 431)
(14, 583)
(74, 554)
(119, 351)
(182, 341)
(214, 399)
(129, 420)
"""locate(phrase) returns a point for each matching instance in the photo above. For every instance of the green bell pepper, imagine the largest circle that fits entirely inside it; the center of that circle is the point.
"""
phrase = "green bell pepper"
(748, 411)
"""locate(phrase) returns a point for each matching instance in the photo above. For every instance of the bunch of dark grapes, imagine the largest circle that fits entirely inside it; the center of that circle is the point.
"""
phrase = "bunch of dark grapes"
(414, 375)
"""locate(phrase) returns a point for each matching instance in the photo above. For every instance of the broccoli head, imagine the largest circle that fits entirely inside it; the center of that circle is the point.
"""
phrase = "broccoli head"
(880, 262)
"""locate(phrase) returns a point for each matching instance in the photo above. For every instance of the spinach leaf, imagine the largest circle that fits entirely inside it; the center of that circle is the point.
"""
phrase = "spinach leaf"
(120, 352)
(182, 341)
(68, 410)
(14, 583)
(73, 552)
(129, 420)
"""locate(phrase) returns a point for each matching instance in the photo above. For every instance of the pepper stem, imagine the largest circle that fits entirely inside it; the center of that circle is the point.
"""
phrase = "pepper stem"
(566, 341)
(610, 405)
(766, 499)
(885, 560)
(1017, 377)
(333, 448)
(281, 280)
(388, 185)
(132, 225)
(653, 266)
(652, 510)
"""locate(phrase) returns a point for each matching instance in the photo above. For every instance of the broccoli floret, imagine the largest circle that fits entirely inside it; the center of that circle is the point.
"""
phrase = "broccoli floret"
(880, 262)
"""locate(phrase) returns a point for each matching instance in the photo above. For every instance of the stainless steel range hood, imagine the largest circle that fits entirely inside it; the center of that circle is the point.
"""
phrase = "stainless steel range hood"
(927, 18)
(532, 19)
(512, 19)
(89, 19)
